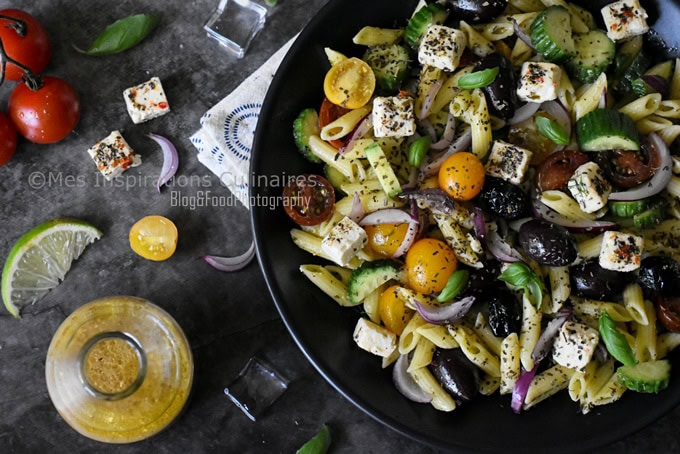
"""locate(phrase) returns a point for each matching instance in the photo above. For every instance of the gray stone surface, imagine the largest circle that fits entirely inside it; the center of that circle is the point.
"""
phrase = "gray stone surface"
(227, 317)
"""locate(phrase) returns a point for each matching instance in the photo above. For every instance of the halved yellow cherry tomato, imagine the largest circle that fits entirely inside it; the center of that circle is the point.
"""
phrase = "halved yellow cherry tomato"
(385, 239)
(349, 83)
(429, 265)
(154, 238)
(462, 176)
(393, 312)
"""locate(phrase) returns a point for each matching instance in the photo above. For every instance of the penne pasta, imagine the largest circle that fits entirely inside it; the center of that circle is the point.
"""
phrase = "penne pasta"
(529, 333)
(590, 247)
(547, 384)
(371, 304)
(475, 350)
(635, 304)
(588, 98)
(422, 354)
(328, 283)
(476, 41)
(438, 335)
(441, 400)
(594, 308)
(642, 107)
(410, 337)
(489, 385)
(484, 332)
(312, 244)
(510, 363)
(645, 335)
(564, 205)
(560, 288)
(665, 343)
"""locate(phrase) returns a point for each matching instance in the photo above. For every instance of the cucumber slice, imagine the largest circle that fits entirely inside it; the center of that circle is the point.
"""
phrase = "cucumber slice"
(335, 178)
(604, 129)
(651, 217)
(389, 64)
(647, 377)
(627, 209)
(631, 61)
(423, 18)
(305, 125)
(370, 276)
(551, 34)
(594, 53)
(383, 170)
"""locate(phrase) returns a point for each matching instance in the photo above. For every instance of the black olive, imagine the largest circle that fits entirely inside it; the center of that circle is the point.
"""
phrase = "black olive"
(503, 199)
(501, 94)
(659, 275)
(590, 280)
(505, 313)
(483, 281)
(457, 375)
(475, 11)
(547, 243)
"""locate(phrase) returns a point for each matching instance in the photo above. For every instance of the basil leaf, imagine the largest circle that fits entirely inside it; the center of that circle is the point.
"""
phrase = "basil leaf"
(123, 34)
(535, 292)
(520, 275)
(318, 444)
(418, 150)
(615, 341)
(455, 284)
(478, 79)
(552, 130)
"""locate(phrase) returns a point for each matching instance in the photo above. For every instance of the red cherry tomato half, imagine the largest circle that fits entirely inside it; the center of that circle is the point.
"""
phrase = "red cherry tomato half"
(8, 139)
(33, 49)
(309, 199)
(556, 169)
(46, 115)
(668, 312)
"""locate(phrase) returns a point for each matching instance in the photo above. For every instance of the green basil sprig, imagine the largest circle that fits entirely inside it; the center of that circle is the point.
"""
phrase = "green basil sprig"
(478, 79)
(418, 150)
(552, 130)
(122, 35)
(615, 341)
(318, 444)
(520, 275)
(454, 285)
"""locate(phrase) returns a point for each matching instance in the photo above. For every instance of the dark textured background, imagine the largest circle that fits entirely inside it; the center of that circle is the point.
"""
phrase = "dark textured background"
(227, 317)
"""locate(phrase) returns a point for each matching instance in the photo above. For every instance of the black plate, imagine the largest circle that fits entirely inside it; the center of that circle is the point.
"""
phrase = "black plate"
(323, 330)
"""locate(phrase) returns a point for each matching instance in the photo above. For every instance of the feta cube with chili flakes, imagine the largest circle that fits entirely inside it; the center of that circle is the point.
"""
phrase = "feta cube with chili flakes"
(589, 187)
(113, 155)
(374, 338)
(344, 241)
(624, 19)
(146, 101)
(621, 251)
(575, 345)
(508, 161)
(538, 81)
(393, 116)
(442, 47)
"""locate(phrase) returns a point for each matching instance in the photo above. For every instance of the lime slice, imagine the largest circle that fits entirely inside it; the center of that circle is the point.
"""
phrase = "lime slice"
(40, 259)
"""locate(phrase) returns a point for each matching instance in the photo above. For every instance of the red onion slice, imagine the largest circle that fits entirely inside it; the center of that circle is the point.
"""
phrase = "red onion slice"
(524, 113)
(364, 126)
(170, 159)
(446, 313)
(447, 137)
(479, 222)
(542, 211)
(519, 392)
(409, 239)
(357, 212)
(500, 249)
(435, 199)
(657, 83)
(431, 166)
(521, 35)
(405, 383)
(658, 182)
(386, 216)
(229, 264)
(427, 126)
(547, 338)
(429, 98)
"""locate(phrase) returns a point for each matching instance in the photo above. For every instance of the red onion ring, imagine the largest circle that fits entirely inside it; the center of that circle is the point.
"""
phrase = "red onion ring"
(479, 222)
(431, 165)
(405, 383)
(521, 35)
(544, 212)
(658, 182)
(386, 216)
(446, 313)
(547, 338)
(519, 392)
(170, 159)
(524, 113)
(409, 239)
(448, 135)
(357, 212)
(500, 249)
(229, 264)
(429, 98)
(428, 127)
(362, 128)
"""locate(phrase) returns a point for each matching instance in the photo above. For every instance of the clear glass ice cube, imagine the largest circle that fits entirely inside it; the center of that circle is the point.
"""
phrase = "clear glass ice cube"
(256, 387)
(235, 23)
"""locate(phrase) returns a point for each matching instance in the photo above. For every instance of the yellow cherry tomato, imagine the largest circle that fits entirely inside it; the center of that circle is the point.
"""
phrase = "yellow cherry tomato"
(349, 83)
(154, 238)
(429, 265)
(430, 183)
(393, 312)
(462, 176)
(385, 239)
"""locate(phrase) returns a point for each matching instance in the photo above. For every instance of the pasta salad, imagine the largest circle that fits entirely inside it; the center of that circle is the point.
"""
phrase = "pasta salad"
(499, 199)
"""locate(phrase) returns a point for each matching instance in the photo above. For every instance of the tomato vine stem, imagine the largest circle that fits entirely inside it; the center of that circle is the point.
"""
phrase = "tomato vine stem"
(33, 81)
(17, 25)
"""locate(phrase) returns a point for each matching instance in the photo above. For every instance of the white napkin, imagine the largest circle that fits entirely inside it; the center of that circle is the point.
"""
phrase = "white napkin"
(226, 135)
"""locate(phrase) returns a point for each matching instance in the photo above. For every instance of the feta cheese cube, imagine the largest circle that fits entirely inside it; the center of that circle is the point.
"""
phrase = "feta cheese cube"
(344, 241)
(624, 19)
(442, 47)
(393, 116)
(589, 187)
(146, 101)
(575, 344)
(113, 155)
(508, 161)
(374, 338)
(621, 251)
(538, 81)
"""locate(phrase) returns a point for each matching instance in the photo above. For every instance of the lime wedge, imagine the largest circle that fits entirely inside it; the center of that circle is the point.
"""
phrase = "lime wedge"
(40, 259)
